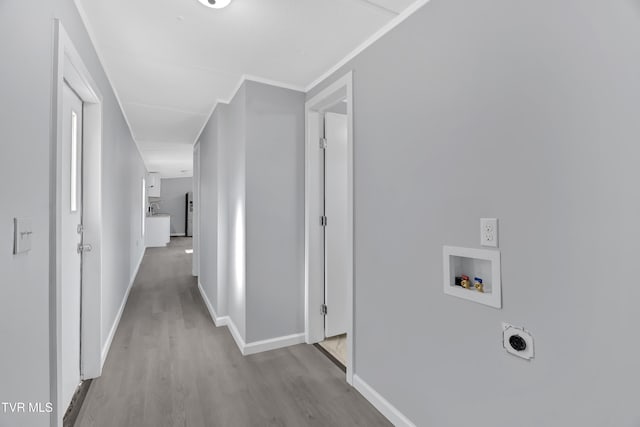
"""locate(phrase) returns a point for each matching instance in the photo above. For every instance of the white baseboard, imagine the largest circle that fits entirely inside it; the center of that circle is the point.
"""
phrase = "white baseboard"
(178, 234)
(116, 322)
(217, 320)
(272, 344)
(252, 347)
(264, 345)
(381, 404)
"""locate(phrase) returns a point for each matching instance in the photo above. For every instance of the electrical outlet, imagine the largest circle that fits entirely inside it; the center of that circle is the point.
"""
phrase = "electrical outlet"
(489, 232)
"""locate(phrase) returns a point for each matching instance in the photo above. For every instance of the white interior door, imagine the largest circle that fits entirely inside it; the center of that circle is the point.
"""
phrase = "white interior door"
(71, 239)
(336, 175)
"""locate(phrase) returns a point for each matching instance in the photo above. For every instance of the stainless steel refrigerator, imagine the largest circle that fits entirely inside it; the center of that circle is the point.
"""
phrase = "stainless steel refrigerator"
(189, 214)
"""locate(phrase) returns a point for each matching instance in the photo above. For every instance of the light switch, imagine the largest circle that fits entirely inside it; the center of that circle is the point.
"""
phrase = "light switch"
(21, 235)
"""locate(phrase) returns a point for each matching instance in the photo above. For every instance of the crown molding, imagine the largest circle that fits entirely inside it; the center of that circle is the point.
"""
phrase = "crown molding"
(371, 40)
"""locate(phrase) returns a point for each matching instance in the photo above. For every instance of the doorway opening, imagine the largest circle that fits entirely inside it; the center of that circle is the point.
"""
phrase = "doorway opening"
(335, 170)
(329, 223)
(76, 229)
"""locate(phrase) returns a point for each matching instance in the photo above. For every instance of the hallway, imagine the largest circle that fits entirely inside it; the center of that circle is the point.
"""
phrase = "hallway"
(170, 366)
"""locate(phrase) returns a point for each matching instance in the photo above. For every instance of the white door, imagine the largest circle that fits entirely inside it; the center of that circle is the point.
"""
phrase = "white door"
(71, 237)
(336, 174)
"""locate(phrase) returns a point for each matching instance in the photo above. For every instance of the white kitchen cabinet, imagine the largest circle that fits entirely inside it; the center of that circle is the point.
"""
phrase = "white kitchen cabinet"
(153, 184)
(157, 231)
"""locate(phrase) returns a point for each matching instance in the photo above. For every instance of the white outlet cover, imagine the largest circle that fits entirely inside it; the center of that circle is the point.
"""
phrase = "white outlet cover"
(489, 232)
(508, 331)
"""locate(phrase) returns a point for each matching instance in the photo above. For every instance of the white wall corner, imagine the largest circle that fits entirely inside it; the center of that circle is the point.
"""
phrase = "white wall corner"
(116, 322)
(217, 320)
(236, 336)
(222, 320)
(246, 78)
(396, 417)
(253, 347)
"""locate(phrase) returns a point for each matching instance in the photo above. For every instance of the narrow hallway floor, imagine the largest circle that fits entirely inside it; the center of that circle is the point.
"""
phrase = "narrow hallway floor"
(170, 366)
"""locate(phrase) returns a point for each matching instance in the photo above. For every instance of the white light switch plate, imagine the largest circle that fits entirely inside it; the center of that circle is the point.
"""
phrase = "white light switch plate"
(21, 235)
(489, 232)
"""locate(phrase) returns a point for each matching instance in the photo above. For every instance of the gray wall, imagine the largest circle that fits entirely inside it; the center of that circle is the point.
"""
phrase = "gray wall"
(274, 211)
(222, 180)
(252, 172)
(26, 34)
(172, 201)
(208, 178)
(525, 111)
(232, 159)
(25, 111)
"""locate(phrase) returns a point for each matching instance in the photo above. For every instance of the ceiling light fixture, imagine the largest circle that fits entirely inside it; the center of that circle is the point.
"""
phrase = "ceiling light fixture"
(215, 4)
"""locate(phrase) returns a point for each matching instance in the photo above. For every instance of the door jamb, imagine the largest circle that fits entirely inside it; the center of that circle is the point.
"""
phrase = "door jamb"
(196, 211)
(314, 260)
(68, 66)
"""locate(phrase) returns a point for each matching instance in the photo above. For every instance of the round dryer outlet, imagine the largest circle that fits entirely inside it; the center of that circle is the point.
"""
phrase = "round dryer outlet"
(517, 341)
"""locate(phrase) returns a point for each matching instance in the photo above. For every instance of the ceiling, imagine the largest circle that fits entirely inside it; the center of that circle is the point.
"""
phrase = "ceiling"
(171, 61)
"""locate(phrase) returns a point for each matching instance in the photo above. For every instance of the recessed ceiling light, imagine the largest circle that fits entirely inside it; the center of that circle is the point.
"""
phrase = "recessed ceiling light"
(215, 4)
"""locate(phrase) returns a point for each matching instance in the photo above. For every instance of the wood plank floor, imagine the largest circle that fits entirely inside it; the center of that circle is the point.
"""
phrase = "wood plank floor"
(170, 366)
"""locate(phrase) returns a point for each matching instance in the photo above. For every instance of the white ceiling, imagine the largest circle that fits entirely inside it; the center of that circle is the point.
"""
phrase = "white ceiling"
(171, 61)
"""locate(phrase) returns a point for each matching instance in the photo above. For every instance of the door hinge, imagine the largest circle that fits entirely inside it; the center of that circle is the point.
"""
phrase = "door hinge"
(323, 143)
(80, 228)
(84, 248)
(323, 221)
(323, 309)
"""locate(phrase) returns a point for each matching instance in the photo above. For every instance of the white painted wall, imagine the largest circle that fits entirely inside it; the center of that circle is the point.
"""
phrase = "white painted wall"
(25, 109)
(222, 181)
(25, 123)
(525, 111)
(208, 205)
(252, 159)
(172, 201)
(232, 154)
(274, 211)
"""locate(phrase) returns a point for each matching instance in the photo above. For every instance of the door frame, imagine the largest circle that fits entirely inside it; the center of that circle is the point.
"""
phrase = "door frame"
(68, 66)
(196, 211)
(314, 248)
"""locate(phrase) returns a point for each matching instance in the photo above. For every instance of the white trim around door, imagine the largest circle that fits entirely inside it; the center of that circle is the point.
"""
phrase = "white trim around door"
(314, 236)
(68, 67)
(196, 210)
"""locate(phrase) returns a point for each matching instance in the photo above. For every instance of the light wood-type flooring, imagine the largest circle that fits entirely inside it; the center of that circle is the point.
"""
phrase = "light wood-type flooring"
(170, 366)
